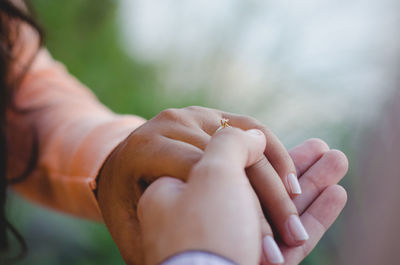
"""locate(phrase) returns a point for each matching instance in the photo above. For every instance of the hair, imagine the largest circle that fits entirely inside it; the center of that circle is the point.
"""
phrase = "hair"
(11, 17)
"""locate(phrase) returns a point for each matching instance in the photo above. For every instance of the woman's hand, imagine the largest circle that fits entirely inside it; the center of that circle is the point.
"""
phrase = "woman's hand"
(168, 205)
(214, 211)
(322, 200)
(169, 145)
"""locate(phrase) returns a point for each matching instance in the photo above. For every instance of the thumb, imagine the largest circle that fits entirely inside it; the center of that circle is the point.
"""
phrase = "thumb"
(159, 195)
(228, 153)
(233, 145)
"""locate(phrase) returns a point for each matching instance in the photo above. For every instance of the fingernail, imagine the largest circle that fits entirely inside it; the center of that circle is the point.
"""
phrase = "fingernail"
(272, 251)
(294, 184)
(255, 132)
(296, 228)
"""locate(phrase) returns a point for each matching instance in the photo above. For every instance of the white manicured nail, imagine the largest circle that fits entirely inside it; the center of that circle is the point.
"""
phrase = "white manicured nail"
(255, 132)
(272, 251)
(296, 228)
(294, 184)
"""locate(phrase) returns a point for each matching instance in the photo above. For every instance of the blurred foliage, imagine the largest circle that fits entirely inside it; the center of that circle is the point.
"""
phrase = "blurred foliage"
(84, 35)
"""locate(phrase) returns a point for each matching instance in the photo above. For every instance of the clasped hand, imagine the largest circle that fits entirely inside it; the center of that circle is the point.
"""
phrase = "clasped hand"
(218, 207)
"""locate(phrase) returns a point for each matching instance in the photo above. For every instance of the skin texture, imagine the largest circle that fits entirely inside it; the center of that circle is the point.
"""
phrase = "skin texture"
(218, 189)
(169, 145)
(322, 200)
(213, 211)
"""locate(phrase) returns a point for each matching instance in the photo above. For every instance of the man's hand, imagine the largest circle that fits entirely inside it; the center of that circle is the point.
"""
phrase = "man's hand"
(214, 211)
(193, 216)
(169, 145)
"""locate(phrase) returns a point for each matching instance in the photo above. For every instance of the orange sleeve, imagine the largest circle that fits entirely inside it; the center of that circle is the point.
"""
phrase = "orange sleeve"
(74, 133)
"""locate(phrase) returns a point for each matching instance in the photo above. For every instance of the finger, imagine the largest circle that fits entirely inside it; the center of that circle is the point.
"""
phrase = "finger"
(234, 147)
(159, 194)
(270, 254)
(174, 158)
(307, 153)
(275, 152)
(124, 222)
(276, 202)
(209, 121)
(329, 170)
(190, 135)
(317, 219)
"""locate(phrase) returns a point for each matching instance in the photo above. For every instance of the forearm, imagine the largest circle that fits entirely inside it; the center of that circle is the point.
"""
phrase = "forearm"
(74, 134)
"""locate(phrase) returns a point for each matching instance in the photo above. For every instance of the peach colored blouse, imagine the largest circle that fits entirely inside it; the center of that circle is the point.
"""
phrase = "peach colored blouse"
(74, 130)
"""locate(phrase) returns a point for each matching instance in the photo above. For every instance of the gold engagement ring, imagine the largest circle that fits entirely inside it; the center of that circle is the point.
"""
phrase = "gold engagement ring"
(224, 124)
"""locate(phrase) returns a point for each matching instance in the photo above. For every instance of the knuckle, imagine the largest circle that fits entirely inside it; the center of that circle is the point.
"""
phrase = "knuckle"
(206, 115)
(170, 114)
(195, 108)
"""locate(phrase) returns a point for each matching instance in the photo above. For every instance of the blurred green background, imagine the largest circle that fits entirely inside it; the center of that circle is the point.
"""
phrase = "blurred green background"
(86, 36)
